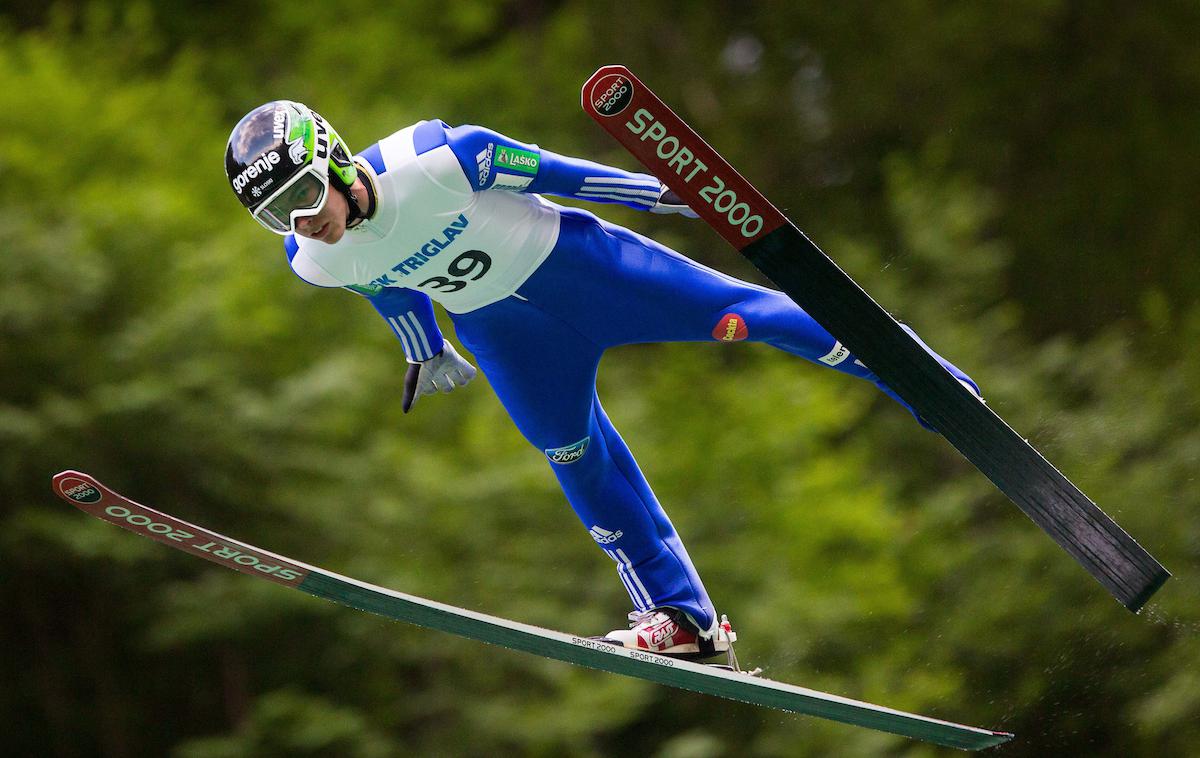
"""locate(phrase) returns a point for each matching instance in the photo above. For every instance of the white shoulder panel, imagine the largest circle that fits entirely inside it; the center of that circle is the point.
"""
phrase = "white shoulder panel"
(397, 148)
(312, 272)
(443, 168)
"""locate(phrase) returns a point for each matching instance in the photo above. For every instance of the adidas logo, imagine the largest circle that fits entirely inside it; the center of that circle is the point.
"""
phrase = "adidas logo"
(483, 160)
(604, 536)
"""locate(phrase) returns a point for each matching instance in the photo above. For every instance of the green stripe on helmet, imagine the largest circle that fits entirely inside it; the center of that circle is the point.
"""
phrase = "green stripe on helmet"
(341, 159)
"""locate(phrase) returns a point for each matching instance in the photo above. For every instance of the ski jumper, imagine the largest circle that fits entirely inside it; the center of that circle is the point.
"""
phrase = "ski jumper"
(538, 292)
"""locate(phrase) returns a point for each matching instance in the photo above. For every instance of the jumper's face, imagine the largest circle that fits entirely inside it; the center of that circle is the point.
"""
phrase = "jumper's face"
(329, 224)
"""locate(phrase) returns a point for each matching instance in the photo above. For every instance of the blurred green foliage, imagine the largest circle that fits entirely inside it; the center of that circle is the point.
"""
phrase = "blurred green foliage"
(1018, 181)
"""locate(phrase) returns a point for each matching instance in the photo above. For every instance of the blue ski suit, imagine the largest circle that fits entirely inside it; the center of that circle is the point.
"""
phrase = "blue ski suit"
(585, 285)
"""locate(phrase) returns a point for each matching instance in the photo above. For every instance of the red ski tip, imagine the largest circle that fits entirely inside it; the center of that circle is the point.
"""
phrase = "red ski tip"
(78, 488)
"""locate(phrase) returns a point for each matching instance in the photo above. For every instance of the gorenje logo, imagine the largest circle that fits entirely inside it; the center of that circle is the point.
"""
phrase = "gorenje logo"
(569, 453)
(611, 94)
(261, 165)
(604, 536)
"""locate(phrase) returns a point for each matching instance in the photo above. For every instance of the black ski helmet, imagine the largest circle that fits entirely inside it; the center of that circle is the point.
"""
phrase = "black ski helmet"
(280, 160)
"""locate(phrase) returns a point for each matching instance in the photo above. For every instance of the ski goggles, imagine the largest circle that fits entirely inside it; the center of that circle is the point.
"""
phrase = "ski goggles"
(302, 195)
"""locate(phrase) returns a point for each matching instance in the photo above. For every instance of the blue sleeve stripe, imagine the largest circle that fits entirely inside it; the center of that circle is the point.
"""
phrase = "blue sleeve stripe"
(429, 135)
(375, 158)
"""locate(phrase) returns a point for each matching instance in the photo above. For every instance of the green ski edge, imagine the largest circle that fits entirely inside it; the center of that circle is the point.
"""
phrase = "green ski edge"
(92, 497)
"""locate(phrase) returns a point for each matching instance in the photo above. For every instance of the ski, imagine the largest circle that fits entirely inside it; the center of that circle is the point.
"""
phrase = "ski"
(673, 152)
(92, 497)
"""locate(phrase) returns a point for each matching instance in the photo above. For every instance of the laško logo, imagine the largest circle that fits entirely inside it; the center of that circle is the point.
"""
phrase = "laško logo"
(731, 328)
(521, 161)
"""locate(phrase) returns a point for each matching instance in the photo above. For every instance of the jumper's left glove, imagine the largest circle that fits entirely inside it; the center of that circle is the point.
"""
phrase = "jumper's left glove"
(669, 202)
(441, 373)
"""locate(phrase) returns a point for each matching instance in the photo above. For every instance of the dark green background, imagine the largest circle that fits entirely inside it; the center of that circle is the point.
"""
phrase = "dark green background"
(1016, 180)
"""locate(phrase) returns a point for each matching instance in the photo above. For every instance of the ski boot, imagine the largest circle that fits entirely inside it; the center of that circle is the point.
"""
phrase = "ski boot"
(667, 631)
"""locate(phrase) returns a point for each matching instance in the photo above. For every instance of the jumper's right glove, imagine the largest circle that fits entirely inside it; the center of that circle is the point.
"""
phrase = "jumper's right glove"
(441, 373)
(669, 202)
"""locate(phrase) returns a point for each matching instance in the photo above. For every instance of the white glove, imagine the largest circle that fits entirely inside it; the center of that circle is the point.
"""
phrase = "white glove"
(669, 202)
(441, 373)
